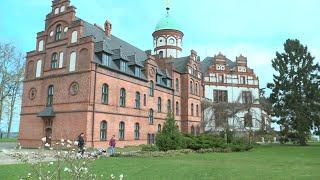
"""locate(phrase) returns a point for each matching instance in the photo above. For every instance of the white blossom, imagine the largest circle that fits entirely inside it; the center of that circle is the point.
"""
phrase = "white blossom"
(121, 176)
(44, 139)
(62, 140)
(76, 143)
(47, 145)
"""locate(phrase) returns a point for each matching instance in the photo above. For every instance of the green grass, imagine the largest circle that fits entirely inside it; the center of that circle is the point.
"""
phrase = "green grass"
(8, 140)
(264, 162)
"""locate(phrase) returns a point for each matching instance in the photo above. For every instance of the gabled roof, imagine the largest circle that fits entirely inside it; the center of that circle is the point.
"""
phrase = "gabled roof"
(209, 61)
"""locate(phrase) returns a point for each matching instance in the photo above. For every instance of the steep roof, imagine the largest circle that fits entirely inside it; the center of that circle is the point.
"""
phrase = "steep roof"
(209, 61)
(180, 64)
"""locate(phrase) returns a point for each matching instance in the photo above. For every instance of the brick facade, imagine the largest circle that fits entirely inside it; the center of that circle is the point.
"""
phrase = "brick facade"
(77, 96)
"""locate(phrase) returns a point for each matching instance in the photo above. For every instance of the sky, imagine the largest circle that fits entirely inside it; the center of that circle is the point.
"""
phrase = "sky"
(255, 29)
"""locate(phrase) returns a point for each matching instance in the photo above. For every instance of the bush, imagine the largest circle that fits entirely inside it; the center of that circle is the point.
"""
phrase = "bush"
(149, 148)
(203, 141)
(170, 138)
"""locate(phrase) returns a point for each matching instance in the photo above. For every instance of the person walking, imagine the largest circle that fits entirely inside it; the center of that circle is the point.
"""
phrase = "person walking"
(81, 143)
(112, 145)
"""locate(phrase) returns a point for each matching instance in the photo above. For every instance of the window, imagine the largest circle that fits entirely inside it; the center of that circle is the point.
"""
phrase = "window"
(137, 101)
(177, 84)
(105, 94)
(151, 88)
(220, 96)
(137, 71)
(161, 54)
(73, 60)
(62, 8)
(144, 99)
(221, 78)
(136, 131)
(151, 116)
(54, 61)
(171, 41)
(198, 130)
(50, 95)
(159, 104)
(169, 83)
(122, 97)
(242, 80)
(74, 36)
(56, 11)
(150, 138)
(121, 130)
(220, 119)
(192, 130)
(247, 120)
(60, 59)
(38, 68)
(169, 106)
(105, 59)
(196, 89)
(192, 109)
(197, 110)
(159, 127)
(158, 79)
(58, 32)
(123, 66)
(191, 87)
(246, 97)
(103, 130)
(40, 45)
(177, 108)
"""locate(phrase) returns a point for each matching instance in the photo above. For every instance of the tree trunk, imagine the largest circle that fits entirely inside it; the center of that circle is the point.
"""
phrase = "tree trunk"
(12, 104)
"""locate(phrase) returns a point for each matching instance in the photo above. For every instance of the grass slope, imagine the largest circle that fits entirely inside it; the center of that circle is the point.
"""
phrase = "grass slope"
(264, 162)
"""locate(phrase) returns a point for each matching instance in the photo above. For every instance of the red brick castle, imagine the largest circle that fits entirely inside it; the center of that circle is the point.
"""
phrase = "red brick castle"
(82, 78)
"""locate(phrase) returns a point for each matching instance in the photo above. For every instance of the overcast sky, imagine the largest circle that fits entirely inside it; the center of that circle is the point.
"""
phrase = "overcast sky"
(256, 29)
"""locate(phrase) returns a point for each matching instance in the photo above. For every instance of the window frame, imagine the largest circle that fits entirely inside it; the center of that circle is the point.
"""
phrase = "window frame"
(54, 60)
(105, 93)
(151, 117)
(136, 131)
(121, 131)
(159, 104)
(122, 102)
(137, 103)
(103, 130)
(50, 95)
(58, 32)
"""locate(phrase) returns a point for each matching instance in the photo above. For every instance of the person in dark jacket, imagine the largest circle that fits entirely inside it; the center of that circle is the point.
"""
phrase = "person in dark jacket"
(81, 143)
(112, 145)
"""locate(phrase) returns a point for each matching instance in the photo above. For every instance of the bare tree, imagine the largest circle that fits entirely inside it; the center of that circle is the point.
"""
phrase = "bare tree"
(8, 74)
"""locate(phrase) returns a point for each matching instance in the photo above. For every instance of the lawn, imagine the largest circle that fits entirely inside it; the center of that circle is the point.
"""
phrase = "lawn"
(8, 140)
(263, 162)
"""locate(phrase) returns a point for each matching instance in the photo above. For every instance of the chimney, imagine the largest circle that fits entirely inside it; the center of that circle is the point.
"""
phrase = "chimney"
(108, 28)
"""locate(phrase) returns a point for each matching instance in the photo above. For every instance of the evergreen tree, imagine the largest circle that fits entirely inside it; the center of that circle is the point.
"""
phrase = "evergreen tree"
(170, 137)
(295, 91)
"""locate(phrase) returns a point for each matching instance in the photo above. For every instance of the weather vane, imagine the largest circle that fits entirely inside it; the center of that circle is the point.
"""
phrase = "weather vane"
(167, 4)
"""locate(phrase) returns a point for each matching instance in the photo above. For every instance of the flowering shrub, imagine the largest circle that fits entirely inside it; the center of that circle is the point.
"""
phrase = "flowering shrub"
(59, 161)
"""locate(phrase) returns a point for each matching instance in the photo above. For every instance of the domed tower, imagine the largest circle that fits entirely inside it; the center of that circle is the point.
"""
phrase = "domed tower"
(167, 38)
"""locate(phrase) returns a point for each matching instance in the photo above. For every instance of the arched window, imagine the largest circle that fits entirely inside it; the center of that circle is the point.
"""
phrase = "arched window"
(196, 89)
(121, 130)
(192, 130)
(38, 68)
(151, 116)
(105, 94)
(192, 109)
(191, 87)
(136, 131)
(151, 88)
(144, 99)
(74, 36)
(169, 109)
(177, 85)
(103, 130)
(58, 32)
(197, 110)
(159, 127)
(62, 8)
(54, 61)
(171, 41)
(161, 54)
(61, 60)
(137, 101)
(177, 108)
(56, 11)
(50, 95)
(122, 97)
(198, 130)
(40, 45)
(159, 104)
(247, 120)
(73, 61)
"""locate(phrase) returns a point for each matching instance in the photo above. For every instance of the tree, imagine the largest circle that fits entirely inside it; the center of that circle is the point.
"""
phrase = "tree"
(170, 137)
(295, 90)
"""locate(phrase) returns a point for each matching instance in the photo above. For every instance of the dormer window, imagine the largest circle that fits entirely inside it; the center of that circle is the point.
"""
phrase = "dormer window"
(123, 66)
(58, 32)
(106, 59)
(137, 71)
(169, 83)
(159, 79)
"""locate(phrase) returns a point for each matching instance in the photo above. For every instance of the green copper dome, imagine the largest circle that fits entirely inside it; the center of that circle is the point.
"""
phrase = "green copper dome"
(167, 23)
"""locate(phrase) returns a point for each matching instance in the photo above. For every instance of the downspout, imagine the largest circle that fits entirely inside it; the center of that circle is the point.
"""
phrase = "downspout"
(94, 104)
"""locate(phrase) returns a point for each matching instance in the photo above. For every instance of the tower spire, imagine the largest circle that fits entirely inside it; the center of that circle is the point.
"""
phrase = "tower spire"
(167, 4)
